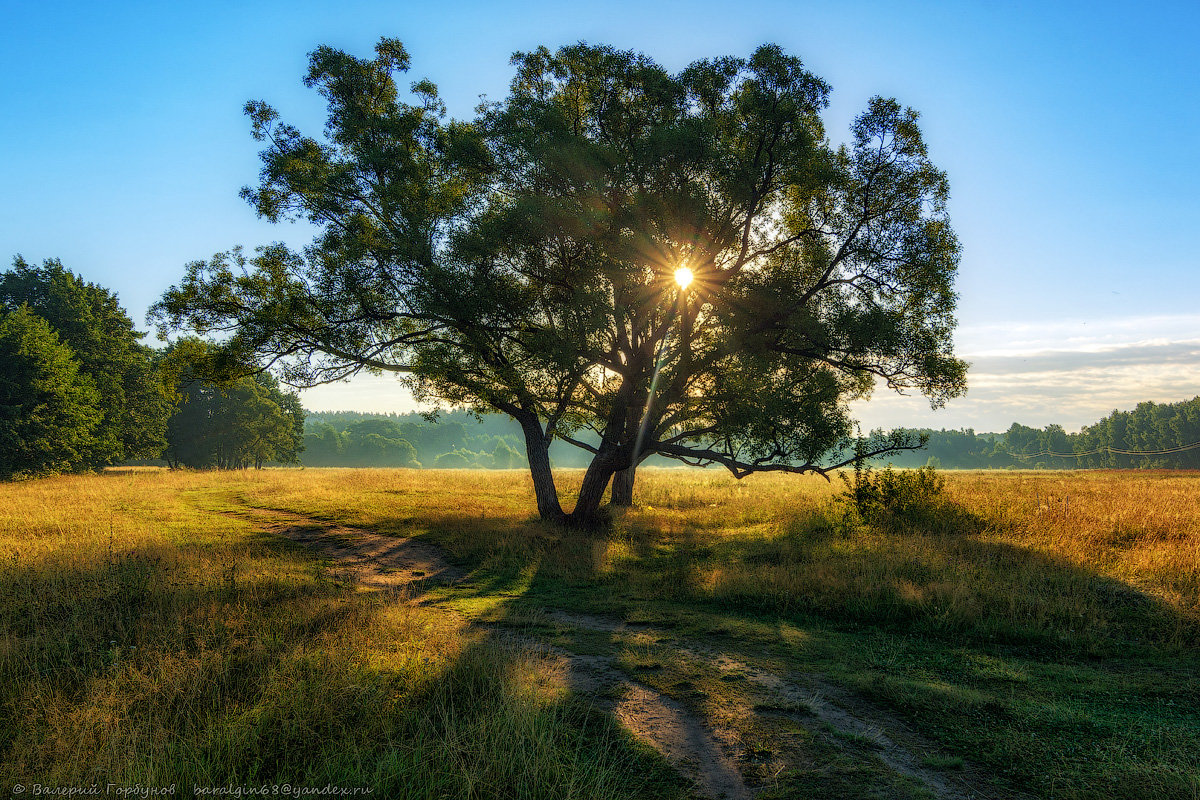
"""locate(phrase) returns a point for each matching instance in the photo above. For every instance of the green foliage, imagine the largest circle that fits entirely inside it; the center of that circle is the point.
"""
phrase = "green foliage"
(503, 457)
(888, 494)
(88, 319)
(240, 423)
(49, 409)
(352, 439)
(373, 449)
(322, 444)
(459, 459)
(1148, 427)
(1152, 435)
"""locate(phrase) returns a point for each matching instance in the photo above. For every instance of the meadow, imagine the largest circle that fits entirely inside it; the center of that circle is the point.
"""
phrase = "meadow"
(1026, 634)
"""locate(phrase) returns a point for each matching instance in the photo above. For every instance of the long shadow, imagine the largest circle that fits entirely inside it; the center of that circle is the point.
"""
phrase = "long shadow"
(890, 638)
(958, 587)
(958, 634)
(232, 678)
(73, 631)
(676, 720)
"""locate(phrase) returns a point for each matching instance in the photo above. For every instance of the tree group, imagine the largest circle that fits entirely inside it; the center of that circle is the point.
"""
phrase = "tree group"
(77, 388)
(351, 439)
(231, 424)
(79, 391)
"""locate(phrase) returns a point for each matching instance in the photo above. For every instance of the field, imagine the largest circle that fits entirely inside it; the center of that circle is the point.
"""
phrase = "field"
(420, 634)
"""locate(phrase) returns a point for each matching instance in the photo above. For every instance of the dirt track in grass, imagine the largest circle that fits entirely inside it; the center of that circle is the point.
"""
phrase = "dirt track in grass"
(371, 560)
(708, 748)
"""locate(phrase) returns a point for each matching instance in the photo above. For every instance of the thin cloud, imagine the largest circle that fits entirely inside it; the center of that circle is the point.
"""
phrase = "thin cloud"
(1069, 387)
(1158, 354)
(1074, 334)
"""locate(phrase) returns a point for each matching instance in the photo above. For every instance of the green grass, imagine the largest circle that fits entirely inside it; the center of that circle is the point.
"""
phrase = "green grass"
(936, 761)
(1046, 647)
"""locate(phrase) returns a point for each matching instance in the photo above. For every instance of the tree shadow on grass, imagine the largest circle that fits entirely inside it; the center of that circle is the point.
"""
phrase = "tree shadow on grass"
(948, 576)
(933, 622)
(1029, 655)
(945, 576)
(231, 669)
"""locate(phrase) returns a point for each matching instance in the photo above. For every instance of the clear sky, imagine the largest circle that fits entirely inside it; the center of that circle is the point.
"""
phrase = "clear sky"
(1070, 133)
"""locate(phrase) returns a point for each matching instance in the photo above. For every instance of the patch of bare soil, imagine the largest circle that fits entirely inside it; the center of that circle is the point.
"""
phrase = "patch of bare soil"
(371, 560)
(690, 743)
(896, 744)
(699, 748)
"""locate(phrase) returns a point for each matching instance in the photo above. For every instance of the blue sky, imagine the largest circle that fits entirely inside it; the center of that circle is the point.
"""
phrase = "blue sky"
(1069, 132)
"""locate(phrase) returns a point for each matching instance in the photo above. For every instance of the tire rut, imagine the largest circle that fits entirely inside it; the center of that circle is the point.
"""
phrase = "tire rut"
(706, 753)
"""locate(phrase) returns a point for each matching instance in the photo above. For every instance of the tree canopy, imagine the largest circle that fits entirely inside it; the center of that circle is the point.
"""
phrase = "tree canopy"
(89, 320)
(245, 422)
(49, 409)
(524, 261)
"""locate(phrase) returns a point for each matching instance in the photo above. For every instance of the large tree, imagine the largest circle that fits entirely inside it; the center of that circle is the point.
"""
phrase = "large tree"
(525, 262)
(49, 409)
(90, 321)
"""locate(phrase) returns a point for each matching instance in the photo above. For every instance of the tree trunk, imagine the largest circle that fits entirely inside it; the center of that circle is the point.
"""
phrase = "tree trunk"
(537, 451)
(622, 486)
(591, 491)
(622, 482)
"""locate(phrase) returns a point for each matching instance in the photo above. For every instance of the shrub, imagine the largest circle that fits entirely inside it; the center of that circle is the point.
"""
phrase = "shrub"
(458, 459)
(906, 495)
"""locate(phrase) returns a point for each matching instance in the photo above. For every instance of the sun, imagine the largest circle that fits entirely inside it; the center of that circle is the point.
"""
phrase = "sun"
(683, 276)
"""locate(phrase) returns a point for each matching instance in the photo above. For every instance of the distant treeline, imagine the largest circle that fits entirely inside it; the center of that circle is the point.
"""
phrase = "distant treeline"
(1138, 439)
(458, 439)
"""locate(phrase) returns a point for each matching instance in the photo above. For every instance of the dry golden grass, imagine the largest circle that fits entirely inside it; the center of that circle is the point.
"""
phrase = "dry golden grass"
(1141, 528)
(148, 631)
(149, 634)
(1080, 555)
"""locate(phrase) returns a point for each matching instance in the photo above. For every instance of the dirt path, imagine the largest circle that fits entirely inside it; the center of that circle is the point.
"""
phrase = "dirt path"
(896, 744)
(704, 749)
(371, 560)
(378, 562)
